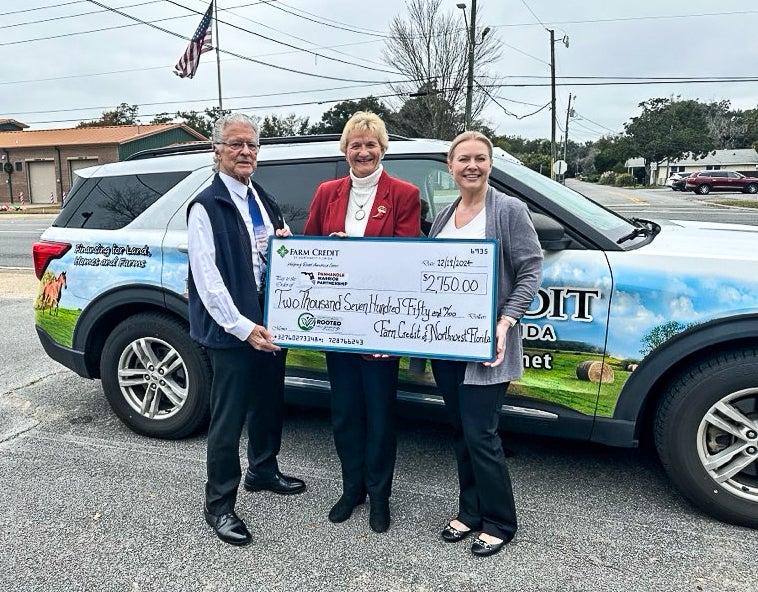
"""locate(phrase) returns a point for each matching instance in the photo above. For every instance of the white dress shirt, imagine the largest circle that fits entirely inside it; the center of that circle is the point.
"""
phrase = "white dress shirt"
(202, 259)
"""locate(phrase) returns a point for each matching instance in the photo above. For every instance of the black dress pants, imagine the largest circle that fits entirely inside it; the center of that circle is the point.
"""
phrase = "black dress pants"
(247, 385)
(486, 497)
(364, 393)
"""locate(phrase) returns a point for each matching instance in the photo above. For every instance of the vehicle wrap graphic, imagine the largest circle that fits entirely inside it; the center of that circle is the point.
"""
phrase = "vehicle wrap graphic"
(584, 334)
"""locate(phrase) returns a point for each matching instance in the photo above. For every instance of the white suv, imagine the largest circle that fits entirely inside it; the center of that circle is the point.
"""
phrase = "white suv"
(642, 330)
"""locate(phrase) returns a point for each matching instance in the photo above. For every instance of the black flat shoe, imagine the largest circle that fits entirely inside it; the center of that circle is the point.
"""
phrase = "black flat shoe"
(229, 528)
(281, 484)
(344, 507)
(379, 515)
(450, 534)
(480, 548)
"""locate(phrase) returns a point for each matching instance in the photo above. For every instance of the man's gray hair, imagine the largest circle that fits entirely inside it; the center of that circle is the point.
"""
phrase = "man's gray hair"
(221, 125)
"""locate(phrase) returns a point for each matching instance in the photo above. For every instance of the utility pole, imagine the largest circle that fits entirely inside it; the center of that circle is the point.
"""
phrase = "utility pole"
(566, 135)
(471, 31)
(218, 57)
(552, 102)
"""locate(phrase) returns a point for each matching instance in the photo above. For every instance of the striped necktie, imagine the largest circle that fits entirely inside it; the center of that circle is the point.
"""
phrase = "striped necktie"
(261, 235)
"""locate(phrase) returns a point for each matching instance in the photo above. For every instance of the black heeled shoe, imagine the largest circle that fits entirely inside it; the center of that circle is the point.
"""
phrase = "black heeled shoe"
(480, 548)
(379, 515)
(344, 507)
(450, 534)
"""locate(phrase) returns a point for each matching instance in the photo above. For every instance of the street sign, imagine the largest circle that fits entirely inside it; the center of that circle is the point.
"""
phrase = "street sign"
(560, 167)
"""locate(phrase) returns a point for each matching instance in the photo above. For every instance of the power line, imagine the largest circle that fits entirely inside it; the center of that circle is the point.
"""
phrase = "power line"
(325, 22)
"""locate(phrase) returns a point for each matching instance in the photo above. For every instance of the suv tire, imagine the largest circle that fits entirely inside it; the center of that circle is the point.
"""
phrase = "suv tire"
(706, 435)
(703, 189)
(751, 188)
(155, 377)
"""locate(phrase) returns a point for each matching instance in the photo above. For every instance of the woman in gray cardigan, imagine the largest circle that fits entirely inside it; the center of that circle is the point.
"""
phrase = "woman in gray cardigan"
(473, 391)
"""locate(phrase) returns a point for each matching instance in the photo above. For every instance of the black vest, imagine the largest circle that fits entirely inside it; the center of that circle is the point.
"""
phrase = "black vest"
(234, 262)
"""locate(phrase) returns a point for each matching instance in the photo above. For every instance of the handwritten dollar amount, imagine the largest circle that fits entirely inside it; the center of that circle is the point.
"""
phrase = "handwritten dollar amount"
(460, 283)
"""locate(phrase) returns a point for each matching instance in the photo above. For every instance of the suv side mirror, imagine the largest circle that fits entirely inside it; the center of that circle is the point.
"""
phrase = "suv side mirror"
(551, 234)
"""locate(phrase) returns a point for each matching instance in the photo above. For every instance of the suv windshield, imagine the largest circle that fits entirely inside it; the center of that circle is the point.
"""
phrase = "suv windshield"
(603, 220)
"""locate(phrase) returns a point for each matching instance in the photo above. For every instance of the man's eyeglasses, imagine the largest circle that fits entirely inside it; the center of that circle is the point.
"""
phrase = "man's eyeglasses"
(252, 146)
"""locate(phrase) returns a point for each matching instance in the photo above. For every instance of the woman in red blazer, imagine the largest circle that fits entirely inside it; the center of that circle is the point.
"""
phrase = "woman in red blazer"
(368, 202)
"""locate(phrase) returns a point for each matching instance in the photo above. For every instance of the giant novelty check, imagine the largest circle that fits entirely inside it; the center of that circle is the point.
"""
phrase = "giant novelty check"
(415, 297)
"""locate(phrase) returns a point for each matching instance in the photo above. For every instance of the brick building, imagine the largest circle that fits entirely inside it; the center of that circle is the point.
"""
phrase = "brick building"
(41, 163)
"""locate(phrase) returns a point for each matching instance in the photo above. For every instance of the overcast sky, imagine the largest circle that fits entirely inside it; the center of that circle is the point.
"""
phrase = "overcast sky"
(69, 61)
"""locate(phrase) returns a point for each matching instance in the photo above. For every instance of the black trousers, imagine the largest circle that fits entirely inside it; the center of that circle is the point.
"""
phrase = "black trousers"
(364, 393)
(486, 497)
(247, 385)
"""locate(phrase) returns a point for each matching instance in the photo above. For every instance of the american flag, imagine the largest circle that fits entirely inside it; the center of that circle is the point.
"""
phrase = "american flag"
(198, 45)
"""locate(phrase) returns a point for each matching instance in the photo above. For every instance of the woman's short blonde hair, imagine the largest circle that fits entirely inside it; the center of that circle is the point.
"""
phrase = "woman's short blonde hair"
(365, 122)
(465, 136)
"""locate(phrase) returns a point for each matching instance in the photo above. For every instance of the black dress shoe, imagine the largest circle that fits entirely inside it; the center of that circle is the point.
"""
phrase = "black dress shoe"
(229, 528)
(480, 548)
(450, 534)
(278, 483)
(344, 507)
(379, 515)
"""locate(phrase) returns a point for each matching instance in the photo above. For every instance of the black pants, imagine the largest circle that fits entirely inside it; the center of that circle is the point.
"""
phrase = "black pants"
(486, 497)
(364, 393)
(247, 385)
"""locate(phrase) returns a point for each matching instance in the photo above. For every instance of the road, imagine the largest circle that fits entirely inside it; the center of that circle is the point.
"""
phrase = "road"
(90, 506)
(667, 204)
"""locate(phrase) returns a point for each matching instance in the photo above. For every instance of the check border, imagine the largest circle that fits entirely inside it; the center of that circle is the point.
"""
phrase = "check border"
(417, 297)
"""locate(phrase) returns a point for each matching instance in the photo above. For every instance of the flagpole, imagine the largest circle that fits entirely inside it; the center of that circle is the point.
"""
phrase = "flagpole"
(218, 56)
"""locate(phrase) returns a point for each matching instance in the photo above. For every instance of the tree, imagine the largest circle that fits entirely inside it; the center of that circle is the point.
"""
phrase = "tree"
(202, 122)
(289, 125)
(430, 50)
(668, 129)
(124, 114)
(417, 113)
(333, 121)
(660, 334)
(163, 118)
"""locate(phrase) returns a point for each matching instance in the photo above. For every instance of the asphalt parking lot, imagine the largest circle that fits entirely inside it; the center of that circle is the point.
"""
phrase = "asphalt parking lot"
(91, 506)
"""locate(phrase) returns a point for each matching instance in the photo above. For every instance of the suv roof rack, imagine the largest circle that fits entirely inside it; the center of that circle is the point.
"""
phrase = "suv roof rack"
(192, 147)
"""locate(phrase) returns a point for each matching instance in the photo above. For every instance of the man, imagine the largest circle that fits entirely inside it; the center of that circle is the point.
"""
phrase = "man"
(228, 228)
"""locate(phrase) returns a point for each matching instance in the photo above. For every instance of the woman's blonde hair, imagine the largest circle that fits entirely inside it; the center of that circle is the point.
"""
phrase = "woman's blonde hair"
(365, 121)
(465, 136)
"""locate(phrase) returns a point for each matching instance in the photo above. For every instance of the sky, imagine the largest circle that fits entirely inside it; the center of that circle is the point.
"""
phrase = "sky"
(69, 61)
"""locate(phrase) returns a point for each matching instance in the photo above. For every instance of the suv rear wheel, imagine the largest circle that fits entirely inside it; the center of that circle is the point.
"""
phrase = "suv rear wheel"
(155, 377)
(706, 432)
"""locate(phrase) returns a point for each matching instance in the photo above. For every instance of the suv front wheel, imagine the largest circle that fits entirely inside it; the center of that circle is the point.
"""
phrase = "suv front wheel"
(155, 377)
(706, 432)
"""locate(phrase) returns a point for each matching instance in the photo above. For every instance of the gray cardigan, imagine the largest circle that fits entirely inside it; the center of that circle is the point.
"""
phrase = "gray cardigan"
(519, 274)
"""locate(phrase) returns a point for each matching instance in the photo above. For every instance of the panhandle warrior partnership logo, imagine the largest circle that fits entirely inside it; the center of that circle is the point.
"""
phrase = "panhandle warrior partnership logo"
(307, 322)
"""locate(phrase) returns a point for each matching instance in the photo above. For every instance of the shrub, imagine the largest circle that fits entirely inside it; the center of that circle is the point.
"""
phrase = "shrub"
(624, 180)
(607, 178)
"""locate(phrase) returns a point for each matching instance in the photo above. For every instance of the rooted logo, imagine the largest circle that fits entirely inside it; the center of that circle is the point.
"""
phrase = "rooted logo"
(306, 321)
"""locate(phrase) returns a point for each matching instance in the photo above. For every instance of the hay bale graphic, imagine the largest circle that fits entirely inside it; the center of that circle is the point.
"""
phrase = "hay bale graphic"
(595, 371)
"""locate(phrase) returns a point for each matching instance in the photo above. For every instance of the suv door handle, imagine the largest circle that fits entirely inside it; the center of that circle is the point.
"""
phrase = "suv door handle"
(183, 248)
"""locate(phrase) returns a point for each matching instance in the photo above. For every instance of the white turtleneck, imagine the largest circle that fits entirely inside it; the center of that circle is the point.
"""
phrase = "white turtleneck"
(362, 194)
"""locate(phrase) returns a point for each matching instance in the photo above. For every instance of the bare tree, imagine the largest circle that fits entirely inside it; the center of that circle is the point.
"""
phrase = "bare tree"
(430, 49)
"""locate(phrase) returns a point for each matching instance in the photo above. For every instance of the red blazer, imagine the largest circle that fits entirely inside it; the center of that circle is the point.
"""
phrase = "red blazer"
(396, 210)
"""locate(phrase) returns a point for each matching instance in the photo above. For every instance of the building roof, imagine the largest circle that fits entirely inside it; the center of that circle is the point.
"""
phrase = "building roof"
(78, 136)
(6, 123)
(739, 156)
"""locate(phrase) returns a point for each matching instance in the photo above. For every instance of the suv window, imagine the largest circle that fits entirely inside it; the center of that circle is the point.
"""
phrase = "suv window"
(109, 203)
(293, 186)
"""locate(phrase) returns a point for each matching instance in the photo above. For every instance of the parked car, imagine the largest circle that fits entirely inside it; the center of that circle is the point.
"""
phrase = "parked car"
(676, 181)
(642, 330)
(706, 181)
